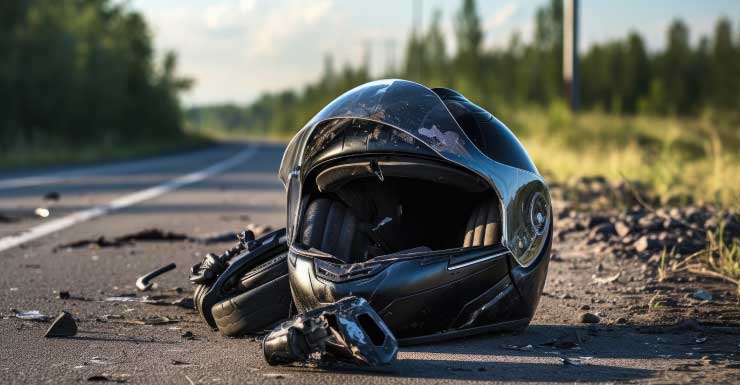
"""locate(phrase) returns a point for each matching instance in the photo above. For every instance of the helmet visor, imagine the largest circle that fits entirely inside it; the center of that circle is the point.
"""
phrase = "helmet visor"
(419, 113)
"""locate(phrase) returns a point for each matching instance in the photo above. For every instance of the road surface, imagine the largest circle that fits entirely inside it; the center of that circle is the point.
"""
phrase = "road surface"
(225, 188)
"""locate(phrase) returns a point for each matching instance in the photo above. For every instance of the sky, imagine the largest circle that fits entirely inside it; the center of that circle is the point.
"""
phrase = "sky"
(236, 50)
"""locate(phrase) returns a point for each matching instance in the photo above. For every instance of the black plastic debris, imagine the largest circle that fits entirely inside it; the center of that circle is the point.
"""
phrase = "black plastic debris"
(158, 235)
(346, 331)
(63, 295)
(63, 326)
(52, 196)
(105, 377)
(144, 282)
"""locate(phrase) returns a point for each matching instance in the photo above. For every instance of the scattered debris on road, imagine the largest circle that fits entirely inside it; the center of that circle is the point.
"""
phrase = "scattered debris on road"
(152, 320)
(63, 326)
(144, 283)
(187, 335)
(157, 235)
(42, 212)
(605, 280)
(104, 377)
(53, 196)
(159, 300)
(571, 361)
(33, 315)
(63, 294)
(348, 330)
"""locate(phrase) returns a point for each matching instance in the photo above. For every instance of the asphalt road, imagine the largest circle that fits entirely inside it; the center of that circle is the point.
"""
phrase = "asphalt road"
(110, 343)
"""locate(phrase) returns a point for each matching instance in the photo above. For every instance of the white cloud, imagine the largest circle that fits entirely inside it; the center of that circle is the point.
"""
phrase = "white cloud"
(285, 23)
(501, 16)
(227, 14)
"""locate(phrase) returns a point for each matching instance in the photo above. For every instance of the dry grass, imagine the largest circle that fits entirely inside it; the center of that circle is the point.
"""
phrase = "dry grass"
(676, 157)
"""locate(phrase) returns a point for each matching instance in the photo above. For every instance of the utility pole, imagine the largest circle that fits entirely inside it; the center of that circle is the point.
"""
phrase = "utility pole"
(571, 75)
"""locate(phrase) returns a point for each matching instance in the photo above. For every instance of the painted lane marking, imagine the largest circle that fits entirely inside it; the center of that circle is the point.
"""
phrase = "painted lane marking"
(125, 201)
(94, 171)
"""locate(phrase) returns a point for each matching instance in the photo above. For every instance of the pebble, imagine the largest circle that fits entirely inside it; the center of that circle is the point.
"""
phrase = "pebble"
(589, 318)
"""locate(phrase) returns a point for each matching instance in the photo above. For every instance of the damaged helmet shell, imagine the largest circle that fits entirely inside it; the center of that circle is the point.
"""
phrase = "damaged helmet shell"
(422, 203)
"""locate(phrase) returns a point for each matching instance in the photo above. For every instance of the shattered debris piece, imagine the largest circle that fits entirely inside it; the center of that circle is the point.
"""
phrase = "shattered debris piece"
(63, 295)
(604, 280)
(348, 330)
(152, 320)
(42, 212)
(184, 302)
(104, 377)
(187, 335)
(63, 326)
(524, 348)
(52, 196)
(144, 282)
(33, 315)
(571, 361)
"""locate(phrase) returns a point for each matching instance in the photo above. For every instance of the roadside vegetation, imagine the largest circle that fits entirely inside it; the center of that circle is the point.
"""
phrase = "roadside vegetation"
(79, 81)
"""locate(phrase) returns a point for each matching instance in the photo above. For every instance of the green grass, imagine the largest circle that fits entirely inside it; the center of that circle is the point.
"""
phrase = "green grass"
(56, 153)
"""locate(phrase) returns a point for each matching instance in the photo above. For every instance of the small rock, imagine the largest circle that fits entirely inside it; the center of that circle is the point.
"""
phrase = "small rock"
(596, 220)
(621, 321)
(621, 228)
(584, 307)
(63, 326)
(601, 232)
(589, 318)
(63, 295)
(701, 295)
(645, 244)
(187, 335)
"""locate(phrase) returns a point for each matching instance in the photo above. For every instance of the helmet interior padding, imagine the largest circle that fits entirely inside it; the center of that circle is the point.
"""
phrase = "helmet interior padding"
(366, 217)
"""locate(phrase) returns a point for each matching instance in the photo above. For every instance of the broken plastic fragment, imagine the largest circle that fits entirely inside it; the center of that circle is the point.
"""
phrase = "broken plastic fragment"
(144, 283)
(33, 315)
(42, 212)
(63, 326)
(348, 331)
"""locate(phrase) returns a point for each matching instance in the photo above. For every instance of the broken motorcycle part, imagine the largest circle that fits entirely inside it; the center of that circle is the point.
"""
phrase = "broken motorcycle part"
(144, 282)
(422, 203)
(245, 290)
(348, 330)
(33, 315)
(63, 326)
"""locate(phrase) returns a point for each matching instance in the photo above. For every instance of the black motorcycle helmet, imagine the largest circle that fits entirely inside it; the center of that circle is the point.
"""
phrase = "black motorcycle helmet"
(422, 203)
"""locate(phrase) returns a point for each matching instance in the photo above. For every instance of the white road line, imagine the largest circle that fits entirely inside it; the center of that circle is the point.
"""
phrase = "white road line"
(125, 201)
(92, 171)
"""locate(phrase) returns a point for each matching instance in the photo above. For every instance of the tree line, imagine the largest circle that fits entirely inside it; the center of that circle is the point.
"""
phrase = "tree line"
(83, 72)
(620, 76)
